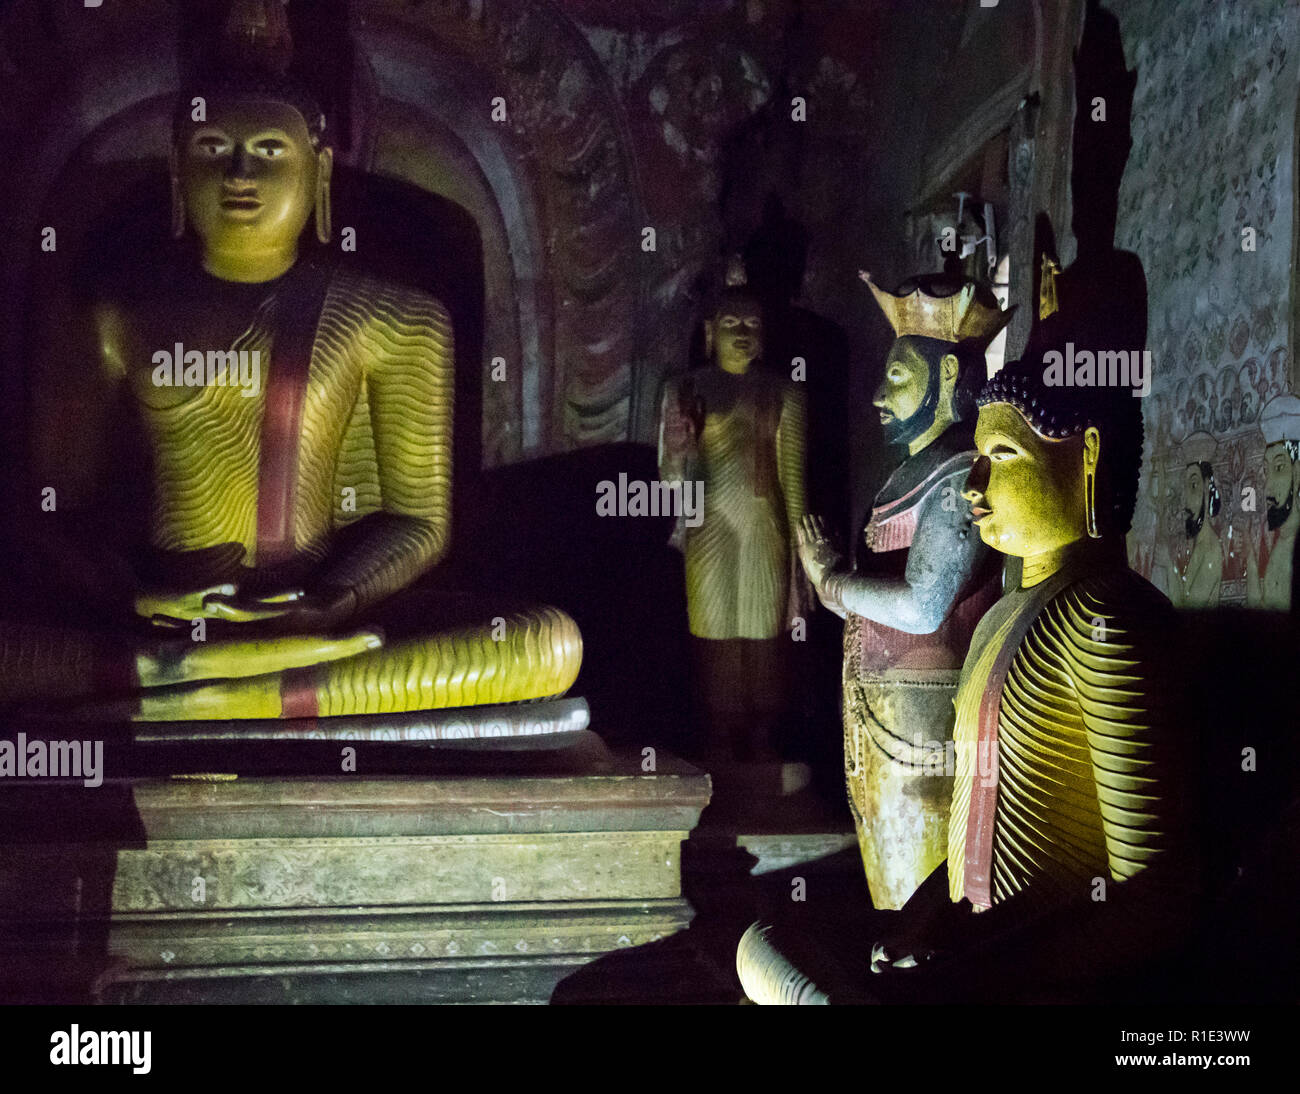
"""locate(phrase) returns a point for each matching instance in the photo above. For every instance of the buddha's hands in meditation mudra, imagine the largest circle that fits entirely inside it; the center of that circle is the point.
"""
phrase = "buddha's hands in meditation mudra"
(287, 611)
(243, 645)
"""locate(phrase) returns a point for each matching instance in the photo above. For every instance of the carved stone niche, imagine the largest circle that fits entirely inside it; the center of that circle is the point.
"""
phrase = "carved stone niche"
(526, 228)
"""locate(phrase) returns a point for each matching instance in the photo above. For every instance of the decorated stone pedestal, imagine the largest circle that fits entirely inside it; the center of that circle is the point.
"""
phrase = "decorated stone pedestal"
(348, 888)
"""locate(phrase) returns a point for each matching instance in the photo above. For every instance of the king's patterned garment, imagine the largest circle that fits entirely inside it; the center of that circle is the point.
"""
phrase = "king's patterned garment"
(898, 688)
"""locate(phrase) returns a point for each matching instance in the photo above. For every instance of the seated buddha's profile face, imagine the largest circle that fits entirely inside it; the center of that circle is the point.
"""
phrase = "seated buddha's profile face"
(1027, 491)
(248, 175)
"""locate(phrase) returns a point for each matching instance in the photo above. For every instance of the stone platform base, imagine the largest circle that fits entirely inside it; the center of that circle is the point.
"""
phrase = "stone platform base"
(469, 888)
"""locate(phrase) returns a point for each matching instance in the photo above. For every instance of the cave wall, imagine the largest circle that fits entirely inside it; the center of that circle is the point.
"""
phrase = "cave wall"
(1214, 125)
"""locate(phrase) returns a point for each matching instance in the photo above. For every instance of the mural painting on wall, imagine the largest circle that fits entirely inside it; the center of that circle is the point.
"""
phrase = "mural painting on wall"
(1212, 505)
(1194, 577)
(1212, 146)
(1268, 570)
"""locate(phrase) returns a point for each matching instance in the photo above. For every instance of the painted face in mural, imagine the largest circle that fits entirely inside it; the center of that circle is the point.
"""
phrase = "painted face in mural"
(918, 376)
(249, 176)
(1026, 491)
(1279, 481)
(1193, 500)
(738, 335)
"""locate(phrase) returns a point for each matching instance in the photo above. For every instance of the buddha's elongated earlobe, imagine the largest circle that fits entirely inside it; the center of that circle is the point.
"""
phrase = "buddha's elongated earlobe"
(178, 200)
(1090, 503)
(324, 213)
(1091, 445)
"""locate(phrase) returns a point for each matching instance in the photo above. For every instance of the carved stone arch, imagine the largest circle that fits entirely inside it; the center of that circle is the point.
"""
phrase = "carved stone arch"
(559, 190)
(570, 130)
(83, 114)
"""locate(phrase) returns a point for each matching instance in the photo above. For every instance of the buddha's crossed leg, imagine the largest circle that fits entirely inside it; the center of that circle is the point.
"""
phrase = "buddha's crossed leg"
(529, 654)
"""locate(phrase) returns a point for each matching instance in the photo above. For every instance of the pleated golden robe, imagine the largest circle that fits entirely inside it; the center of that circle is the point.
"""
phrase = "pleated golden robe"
(1069, 766)
(749, 457)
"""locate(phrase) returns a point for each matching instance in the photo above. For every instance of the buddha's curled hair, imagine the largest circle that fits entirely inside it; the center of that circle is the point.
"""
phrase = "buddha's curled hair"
(1057, 411)
(243, 48)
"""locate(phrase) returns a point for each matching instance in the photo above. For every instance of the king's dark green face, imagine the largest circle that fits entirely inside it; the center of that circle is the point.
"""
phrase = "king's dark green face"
(902, 388)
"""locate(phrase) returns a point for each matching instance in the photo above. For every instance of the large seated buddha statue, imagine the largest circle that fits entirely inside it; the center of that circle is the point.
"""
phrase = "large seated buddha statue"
(1069, 830)
(298, 420)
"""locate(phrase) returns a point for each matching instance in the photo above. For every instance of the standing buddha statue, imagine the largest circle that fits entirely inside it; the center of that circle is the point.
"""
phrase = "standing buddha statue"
(740, 429)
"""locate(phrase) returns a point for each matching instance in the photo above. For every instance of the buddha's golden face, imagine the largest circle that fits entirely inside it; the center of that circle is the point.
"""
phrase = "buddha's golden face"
(738, 335)
(248, 175)
(1026, 492)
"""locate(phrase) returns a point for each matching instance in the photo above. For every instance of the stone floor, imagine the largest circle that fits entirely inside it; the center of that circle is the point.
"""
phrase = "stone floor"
(753, 855)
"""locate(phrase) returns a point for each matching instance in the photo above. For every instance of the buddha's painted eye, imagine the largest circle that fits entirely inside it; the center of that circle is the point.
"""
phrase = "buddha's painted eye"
(753, 322)
(730, 321)
(270, 149)
(209, 147)
(1002, 452)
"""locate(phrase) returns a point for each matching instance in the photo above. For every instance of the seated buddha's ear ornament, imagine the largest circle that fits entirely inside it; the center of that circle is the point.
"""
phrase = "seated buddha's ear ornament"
(324, 207)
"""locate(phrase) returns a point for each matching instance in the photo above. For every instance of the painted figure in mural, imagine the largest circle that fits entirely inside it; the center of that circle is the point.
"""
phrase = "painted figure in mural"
(1197, 584)
(736, 432)
(1269, 564)
(1069, 767)
(285, 509)
(1250, 384)
(910, 612)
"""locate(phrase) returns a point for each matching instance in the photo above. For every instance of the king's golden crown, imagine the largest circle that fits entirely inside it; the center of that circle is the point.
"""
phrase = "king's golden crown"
(953, 318)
